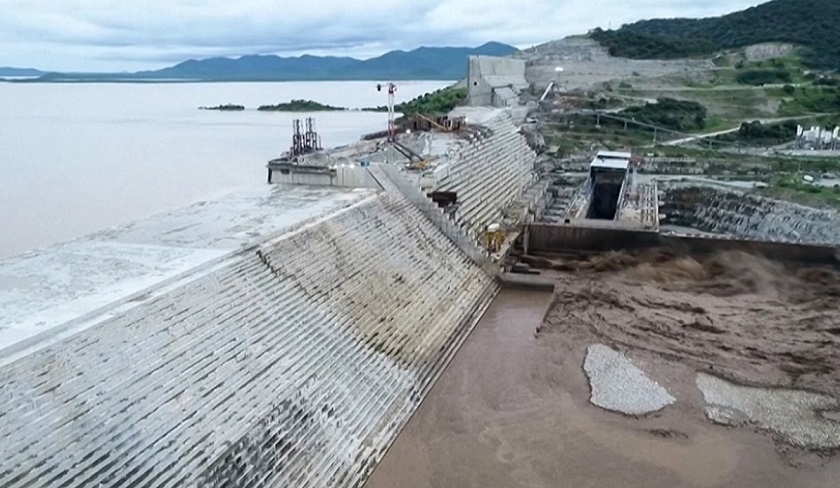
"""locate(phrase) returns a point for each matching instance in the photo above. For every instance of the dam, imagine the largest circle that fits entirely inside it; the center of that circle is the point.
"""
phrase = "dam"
(348, 325)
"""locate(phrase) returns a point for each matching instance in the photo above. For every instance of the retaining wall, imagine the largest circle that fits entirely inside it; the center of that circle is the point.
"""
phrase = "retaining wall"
(294, 364)
(343, 175)
(551, 239)
(721, 210)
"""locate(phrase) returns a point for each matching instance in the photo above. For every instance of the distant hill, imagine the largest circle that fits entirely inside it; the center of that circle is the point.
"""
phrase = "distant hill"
(6, 71)
(814, 25)
(424, 63)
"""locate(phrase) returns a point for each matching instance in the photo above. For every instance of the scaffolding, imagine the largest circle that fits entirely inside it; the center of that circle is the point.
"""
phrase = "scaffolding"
(304, 141)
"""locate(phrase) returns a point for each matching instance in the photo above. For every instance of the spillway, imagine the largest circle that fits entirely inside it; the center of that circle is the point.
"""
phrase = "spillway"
(291, 357)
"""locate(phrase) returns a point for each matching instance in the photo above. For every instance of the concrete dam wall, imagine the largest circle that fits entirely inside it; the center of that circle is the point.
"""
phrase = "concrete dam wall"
(554, 239)
(494, 81)
(489, 173)
(727, 211)
(293, 363)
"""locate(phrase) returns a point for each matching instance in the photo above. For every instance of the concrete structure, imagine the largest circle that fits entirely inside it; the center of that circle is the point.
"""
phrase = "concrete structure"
(47, 290)
(612, 194)
(727, 211)
(487, 166)
(816, 138)
(489, 172)
(252, 350)
(340, 175)
(550, 239)
(495, 82)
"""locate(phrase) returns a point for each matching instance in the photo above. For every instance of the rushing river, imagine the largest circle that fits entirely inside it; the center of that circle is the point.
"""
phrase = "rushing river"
(76, 158)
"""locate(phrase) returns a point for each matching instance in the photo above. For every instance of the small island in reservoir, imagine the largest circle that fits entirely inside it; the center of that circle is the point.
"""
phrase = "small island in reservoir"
(299, 106)
(226, 107)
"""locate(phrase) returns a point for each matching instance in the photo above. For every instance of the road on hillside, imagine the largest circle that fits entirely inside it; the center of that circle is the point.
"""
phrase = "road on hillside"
(677, 142)
(722, 87)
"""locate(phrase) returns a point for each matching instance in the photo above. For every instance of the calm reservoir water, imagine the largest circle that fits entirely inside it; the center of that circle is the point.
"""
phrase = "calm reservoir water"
(76, 158)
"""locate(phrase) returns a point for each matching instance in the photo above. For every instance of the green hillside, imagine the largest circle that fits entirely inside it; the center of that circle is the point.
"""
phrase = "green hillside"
(814, 25)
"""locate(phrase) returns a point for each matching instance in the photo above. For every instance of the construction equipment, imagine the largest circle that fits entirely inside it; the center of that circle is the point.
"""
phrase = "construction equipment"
(493, 238)
(434, 124)
(415, 161)
(420, 165)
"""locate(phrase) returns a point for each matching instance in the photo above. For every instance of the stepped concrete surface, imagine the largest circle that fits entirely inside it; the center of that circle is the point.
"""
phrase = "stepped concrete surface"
(490, 170)
(722, 210)
(285, 347)
(45, 289)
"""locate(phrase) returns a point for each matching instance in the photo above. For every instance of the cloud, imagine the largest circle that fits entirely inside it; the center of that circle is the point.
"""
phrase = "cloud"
(103, 35)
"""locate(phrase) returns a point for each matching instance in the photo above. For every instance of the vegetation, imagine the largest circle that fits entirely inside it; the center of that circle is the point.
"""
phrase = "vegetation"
(438, 102)
(789, 21)
(604, 103)
(226, 107)
(758, 134)
(677, 115)
(812, 99)
(761, 77)
(792, 187)
(826, 81)
(299, 106)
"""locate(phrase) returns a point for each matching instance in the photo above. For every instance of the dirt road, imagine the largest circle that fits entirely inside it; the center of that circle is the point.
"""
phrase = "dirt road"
(512, 410)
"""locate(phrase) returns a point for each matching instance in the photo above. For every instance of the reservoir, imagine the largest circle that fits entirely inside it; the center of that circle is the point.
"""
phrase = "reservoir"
(77, 158)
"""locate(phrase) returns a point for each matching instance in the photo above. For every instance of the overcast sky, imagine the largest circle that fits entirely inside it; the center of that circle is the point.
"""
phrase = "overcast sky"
(118, 35)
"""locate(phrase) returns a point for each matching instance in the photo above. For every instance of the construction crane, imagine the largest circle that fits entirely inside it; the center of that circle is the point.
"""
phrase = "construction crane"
(392, 126)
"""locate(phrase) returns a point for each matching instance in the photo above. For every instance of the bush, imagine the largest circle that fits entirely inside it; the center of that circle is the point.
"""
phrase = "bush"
(436, 103)
(678, 115)
(788, 89)
(771, 134)
(760, 77)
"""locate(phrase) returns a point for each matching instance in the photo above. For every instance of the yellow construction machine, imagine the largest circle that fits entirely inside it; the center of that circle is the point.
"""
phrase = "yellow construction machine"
(422, 164)
(493, 238)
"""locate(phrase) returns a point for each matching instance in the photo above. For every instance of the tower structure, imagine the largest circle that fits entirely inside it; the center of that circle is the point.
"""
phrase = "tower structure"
(392, 125)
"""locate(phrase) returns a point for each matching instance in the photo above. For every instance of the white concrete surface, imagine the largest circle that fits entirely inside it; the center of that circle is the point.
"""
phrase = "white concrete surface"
(619, 386)
(345, 174)
(45, 289)
(291, 362)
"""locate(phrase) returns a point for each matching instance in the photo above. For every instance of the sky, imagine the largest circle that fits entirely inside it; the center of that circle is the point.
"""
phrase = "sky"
(131, 35)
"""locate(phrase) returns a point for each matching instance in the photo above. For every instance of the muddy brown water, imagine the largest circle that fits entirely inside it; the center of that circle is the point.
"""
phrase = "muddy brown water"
(733, 314)
(512, 410)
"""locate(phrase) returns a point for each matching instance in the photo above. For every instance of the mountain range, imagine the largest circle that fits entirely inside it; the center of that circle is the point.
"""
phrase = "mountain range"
(423, 63)
(7, 71)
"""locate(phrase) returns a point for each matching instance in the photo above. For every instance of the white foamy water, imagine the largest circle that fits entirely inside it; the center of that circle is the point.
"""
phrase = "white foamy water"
(76, 158)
